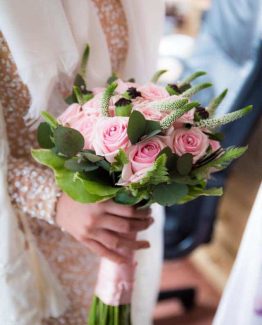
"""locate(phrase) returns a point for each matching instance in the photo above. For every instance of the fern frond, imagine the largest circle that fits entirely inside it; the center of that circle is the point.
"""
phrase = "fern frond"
(194, 193)
(157, 175)
(219, 121)
(222, 161)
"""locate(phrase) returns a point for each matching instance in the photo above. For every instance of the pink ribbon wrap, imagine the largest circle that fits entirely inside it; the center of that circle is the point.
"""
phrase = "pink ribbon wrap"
(115, 282)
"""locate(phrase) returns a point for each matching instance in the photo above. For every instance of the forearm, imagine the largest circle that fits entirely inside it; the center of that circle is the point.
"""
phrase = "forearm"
(32, 189)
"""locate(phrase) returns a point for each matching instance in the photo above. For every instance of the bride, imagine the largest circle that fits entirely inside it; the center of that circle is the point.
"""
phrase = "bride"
(50, 244)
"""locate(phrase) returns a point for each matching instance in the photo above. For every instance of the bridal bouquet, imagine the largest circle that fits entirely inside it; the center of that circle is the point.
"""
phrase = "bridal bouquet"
(136, 144)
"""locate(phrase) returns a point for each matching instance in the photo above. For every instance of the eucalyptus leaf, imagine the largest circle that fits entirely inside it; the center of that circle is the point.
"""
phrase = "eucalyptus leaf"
(76, 165)
(104, 164)
(125, 197)
(169, 194)
(136, 126)
(71, 99)
(152, 126)
(44, 135)
(68, 141)
(76, 188)
(91, 156)
(48, 158)
(184, 164)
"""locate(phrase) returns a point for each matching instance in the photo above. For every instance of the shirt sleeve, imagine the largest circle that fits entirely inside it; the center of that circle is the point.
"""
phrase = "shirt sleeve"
(32, 189)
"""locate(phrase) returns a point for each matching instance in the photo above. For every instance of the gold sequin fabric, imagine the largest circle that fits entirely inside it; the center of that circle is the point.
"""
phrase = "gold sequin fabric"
(114, 24)
(32, 188)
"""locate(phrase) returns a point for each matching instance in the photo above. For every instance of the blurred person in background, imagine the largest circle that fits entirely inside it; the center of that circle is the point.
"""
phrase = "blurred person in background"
(229, 49)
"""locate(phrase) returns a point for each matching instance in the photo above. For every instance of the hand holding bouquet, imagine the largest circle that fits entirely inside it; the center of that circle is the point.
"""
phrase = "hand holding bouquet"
(135, 144)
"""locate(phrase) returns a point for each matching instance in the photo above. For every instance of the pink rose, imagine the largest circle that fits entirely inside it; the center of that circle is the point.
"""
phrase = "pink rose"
(192, 141)
(110, 136)
(93, 106)
(188, 117)
(86, 126)
(215, 145)
(98, 90)
(151, 113)
(153, 92)
(141, 159)
(72, 113)
(122, 86)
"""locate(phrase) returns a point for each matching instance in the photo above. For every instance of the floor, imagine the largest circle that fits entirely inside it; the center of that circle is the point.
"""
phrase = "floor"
(183, 274)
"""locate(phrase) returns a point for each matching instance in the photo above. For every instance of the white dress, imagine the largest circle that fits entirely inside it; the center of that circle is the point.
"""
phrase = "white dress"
(51, 36)
(241, 303)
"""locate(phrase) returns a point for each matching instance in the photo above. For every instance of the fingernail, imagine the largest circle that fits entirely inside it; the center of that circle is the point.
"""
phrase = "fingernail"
(146, 245)
(151, 220)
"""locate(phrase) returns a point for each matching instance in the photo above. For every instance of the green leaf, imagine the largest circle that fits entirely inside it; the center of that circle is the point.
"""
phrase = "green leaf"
(71, 99)
(192, 77)
(216, 102)
(104, 164)
(120, 160)
(152, 126)
(184, 164)
(44, 136)
(136, 126)
(76, 165)
(78, 95)
(84, 61)
(76, 187)
(124, 196)
(91, 156)
(68, 141)
(218, 136)
(228, 118)
(48, 158)
(80, 82)
(171, 158)
(195, 89)
(49, 119)
(169, 194)
(157, 75)
(195, 193)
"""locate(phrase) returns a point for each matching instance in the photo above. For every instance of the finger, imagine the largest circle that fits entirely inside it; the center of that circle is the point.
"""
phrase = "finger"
(142, 213)
(123, 225)
(114, 241)
(126, 211)
(120, 210)
(103, 251)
